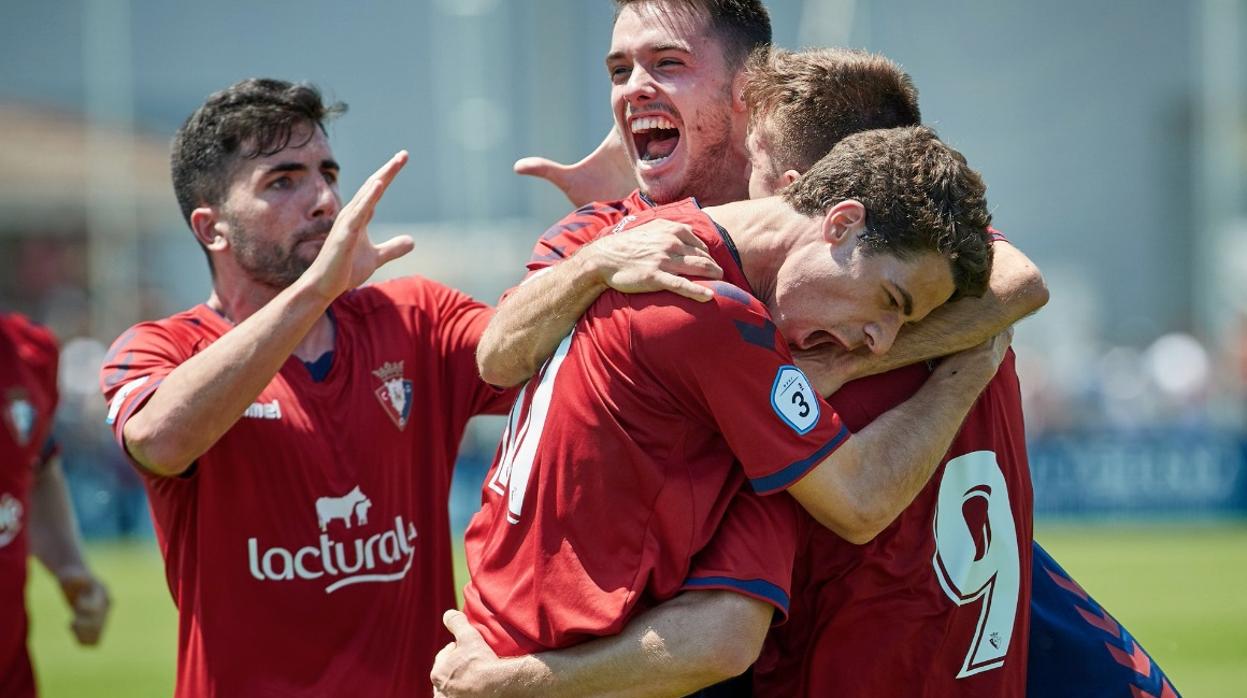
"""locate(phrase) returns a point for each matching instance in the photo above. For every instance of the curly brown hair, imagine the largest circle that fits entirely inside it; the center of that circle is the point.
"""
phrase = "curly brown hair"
(807, 101)
(251, 118)
(919, 195)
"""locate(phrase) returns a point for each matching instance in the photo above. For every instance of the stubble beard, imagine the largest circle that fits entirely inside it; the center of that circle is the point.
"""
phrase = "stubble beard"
(269, 263)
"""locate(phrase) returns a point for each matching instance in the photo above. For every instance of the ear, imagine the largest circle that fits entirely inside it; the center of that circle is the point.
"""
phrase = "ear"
(738, 93)
(843, 221)
(788, 177)
(205, 225)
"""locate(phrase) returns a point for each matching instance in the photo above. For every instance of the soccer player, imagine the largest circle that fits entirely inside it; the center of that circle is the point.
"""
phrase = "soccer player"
(35, 513)
(295, 433)
(617, 465)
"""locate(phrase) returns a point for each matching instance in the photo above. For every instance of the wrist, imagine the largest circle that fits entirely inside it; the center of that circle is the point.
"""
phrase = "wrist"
(592, 270)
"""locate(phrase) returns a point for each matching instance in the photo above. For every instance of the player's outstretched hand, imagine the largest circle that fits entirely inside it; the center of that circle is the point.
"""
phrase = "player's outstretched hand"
(466, 667)
(978, 364)
(88, 599)
(348, 256)
(654, 256)
(603, 175)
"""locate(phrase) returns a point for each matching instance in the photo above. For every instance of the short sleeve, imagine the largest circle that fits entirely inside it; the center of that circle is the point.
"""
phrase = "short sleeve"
(575, 230)
(134, 367)
(752, 550)
(458, 321)
(724, 359)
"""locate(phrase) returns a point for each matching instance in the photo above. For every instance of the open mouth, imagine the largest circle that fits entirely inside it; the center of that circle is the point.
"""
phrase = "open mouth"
(655, 137)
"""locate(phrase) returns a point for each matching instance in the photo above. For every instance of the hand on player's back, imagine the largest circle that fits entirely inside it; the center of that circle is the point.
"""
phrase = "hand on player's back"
(654, 256)
(348, 256)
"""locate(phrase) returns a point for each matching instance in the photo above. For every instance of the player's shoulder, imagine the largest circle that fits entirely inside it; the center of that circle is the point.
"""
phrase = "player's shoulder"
(732, 314)
(29, 337)
(186, 328)
(407, 294)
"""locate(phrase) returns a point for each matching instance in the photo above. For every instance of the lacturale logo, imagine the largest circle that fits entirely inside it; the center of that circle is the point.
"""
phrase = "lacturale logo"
(350, 558)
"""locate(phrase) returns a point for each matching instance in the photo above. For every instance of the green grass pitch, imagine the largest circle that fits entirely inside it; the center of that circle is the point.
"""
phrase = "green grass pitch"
(1181, 589)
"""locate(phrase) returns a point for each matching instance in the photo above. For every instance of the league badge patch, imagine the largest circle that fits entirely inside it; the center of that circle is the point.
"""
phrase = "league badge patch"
(793, 400)
(19, 414)
(395, 392)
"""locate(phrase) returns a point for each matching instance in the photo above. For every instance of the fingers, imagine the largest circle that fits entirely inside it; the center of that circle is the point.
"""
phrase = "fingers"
(693, 263)
(539, 167)
(686, 235)
(682, 286)
(394, 248)
(361, 206)
(457, 623)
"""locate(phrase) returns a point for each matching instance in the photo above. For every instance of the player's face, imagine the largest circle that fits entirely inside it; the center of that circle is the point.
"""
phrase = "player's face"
(853, 300)
(672, 98)
(280, 208)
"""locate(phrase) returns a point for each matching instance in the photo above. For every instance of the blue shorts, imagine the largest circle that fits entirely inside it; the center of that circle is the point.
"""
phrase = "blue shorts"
(1077, 649)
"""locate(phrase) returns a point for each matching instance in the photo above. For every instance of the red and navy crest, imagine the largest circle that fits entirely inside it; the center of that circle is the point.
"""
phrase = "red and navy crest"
(395, 392)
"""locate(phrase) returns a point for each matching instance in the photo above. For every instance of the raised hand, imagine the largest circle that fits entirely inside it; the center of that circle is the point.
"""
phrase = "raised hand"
(652, 257)
(348, 256)
(603, 175)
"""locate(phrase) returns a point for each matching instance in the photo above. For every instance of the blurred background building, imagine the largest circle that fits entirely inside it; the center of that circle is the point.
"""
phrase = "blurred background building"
(1112, 136)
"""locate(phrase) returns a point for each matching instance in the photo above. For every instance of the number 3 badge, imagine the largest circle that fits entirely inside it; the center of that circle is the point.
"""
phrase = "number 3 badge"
(794, 400)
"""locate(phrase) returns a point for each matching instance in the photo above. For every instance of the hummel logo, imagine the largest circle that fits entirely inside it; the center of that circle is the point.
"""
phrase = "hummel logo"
(264, 410)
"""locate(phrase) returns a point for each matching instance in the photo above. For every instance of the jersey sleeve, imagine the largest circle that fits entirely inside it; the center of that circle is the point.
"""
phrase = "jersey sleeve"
(996, 236)
(563, 239)
(459, 320)
(134, 367)
(724, 359)
(752, 551)
(38, 348)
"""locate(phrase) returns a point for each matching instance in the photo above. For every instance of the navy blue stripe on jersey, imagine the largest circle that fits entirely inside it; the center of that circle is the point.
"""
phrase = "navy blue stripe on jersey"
(320, 367)
(757, 588)
(760, 335)
(781, 480)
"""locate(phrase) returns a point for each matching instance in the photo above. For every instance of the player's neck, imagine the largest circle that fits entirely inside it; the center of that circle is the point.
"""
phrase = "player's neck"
(764, 230)
(237, 302)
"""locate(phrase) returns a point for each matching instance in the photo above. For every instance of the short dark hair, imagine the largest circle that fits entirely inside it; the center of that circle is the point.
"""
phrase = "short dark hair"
(919, 194)
(742, 26)
(807, 101)
(252, 118)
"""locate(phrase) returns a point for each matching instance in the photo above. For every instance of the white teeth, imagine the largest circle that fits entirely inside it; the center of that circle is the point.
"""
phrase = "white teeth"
(646, 123)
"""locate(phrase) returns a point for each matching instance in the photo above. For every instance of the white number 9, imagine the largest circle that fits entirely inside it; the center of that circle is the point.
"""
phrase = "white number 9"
(976, 554)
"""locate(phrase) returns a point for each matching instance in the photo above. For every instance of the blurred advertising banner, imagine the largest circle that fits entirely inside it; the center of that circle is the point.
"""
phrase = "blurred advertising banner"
(1140, 473)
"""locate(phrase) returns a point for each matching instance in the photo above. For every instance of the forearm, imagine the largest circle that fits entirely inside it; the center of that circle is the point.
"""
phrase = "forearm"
(537, 316)
(1016, 290)
(694, 640)
(202, 398)
(53, 528)
(861, 488)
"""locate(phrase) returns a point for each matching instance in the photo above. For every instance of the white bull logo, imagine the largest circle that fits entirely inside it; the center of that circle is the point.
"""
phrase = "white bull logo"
(330, 508)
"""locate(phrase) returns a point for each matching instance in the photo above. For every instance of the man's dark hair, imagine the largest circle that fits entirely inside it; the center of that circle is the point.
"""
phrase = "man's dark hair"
(919, 194)
(742, 26)
(249, 119)
(805, 102)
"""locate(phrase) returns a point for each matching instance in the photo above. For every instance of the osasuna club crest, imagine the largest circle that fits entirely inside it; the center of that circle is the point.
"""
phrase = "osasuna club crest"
(395, 392)
(20, 416)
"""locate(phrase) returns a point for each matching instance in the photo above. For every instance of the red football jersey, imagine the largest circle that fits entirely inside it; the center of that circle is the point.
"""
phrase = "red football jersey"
(308, 551)
(28, 397)
(945, 588)
(619, 461)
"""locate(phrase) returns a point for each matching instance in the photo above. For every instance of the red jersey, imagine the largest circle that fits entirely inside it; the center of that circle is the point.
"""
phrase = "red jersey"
(620, 459)
(308, 551)
(947, 584)
(28, 395)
